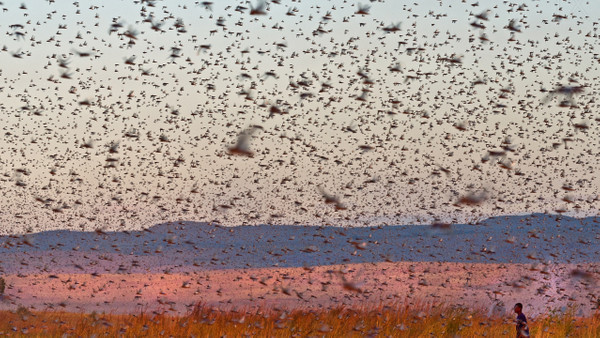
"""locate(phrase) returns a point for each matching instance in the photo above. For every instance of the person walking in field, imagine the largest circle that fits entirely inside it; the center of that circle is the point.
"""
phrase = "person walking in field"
(522, 329)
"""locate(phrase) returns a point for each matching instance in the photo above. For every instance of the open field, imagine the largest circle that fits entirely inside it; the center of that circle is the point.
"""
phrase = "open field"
(493, 287)
(394, 320)
(326, 280)
(173, 266)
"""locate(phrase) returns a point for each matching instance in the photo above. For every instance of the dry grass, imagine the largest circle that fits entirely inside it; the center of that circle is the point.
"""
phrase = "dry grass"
(204, 321)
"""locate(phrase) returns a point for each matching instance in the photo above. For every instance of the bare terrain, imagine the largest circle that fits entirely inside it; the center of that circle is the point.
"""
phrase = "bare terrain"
(171, 267)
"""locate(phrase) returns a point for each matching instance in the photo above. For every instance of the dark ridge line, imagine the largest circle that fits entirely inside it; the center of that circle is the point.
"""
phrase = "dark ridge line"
(151, 229)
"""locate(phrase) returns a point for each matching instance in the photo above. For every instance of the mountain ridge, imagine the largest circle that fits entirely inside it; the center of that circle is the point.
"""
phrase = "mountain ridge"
(533, 238)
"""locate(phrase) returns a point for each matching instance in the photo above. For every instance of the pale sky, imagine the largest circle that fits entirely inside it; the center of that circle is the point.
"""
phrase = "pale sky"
(437, 96)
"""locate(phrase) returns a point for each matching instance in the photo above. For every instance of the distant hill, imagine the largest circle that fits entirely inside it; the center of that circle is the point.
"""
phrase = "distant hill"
(192, 245)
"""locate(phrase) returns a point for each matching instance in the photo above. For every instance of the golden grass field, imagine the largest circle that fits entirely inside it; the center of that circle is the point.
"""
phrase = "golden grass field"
(382, 321)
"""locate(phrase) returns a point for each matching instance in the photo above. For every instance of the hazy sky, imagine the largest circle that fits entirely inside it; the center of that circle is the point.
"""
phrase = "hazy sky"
(439, 119)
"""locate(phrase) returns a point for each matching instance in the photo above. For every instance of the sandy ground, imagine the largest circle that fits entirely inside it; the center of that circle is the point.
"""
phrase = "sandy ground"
(493, 287)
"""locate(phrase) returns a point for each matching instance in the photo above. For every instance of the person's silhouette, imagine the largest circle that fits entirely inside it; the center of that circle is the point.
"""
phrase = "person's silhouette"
(522, 329)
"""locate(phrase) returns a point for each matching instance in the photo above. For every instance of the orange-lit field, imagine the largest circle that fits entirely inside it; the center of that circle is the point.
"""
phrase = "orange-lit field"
(394, 320)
